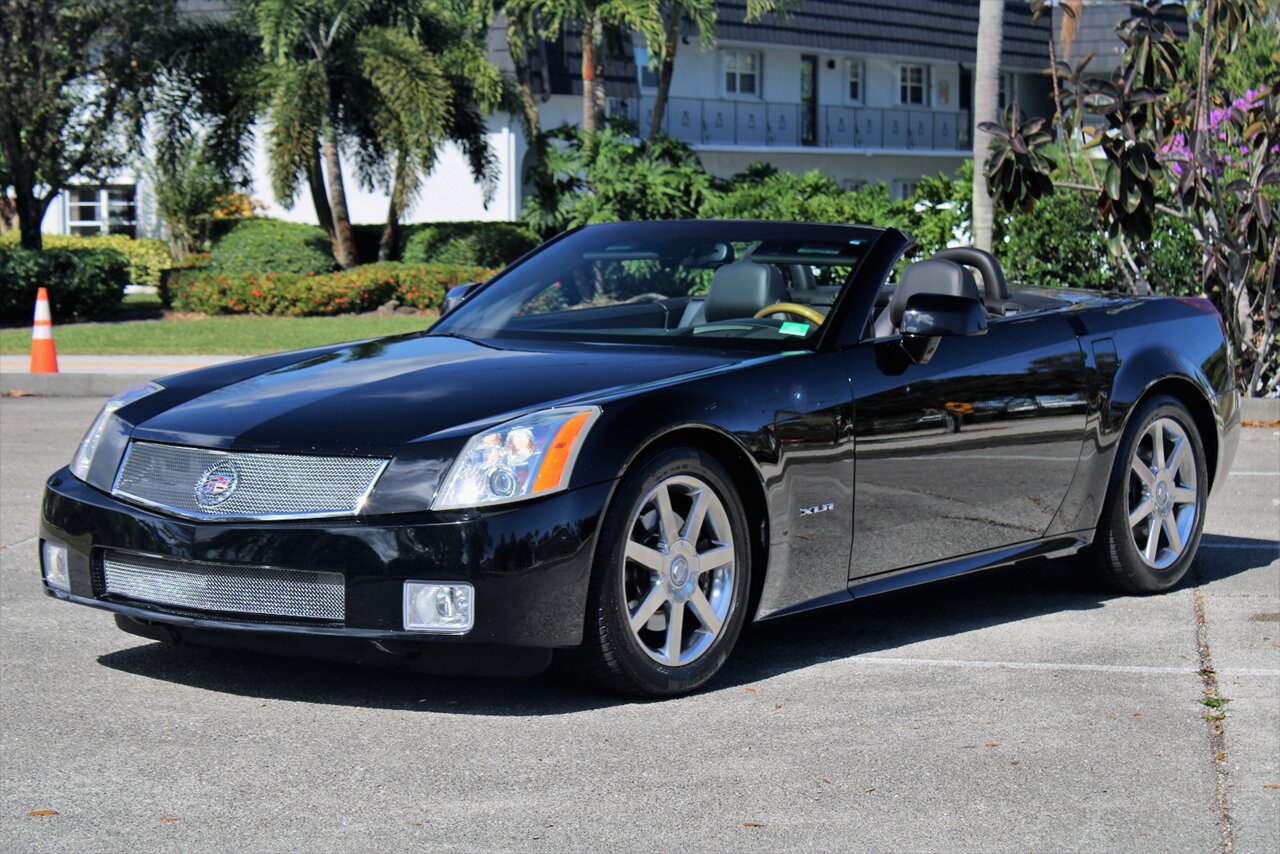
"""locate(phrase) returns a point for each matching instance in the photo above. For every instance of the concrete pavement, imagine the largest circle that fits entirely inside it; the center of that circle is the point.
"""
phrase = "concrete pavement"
(1008, 711)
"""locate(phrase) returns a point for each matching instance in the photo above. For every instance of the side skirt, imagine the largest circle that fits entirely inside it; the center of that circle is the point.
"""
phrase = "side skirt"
(898, 579)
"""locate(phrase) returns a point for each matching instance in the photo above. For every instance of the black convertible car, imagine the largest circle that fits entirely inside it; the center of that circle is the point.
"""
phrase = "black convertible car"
(639, 437)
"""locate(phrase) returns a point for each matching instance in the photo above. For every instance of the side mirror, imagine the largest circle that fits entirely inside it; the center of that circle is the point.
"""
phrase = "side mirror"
(456, 296)
(928, 317)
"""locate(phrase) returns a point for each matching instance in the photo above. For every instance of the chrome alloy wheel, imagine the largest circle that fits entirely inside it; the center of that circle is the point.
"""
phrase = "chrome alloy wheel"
(1162, 498)
(679, 570)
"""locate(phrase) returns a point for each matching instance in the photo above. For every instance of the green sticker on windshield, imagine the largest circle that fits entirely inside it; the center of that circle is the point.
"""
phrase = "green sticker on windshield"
(789, 328)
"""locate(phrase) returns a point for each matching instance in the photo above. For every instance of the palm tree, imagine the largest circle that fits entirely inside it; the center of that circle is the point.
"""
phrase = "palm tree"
(593, 17)
(986, 99)
(702, 14)
(387, 81)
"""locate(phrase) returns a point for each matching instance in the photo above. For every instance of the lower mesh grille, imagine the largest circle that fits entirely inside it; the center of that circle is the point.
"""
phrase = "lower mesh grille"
(225, 588)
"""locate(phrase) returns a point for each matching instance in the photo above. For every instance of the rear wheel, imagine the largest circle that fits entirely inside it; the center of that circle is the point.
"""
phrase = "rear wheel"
(1154, 513)
(668, 594)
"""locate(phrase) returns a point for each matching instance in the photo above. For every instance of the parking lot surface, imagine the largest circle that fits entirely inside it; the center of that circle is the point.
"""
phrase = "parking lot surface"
(1012, 710)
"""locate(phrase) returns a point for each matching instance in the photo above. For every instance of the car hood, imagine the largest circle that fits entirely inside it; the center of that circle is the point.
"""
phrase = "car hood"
(374, 396)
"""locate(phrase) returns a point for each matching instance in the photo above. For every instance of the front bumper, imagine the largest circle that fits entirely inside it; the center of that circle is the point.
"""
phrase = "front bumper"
(529, 565)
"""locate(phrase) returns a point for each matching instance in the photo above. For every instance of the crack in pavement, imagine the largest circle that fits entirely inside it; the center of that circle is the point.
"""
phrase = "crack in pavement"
(1217, 732)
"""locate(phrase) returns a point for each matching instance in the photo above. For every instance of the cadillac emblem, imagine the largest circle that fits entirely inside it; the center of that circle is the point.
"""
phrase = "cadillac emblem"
(217, 484)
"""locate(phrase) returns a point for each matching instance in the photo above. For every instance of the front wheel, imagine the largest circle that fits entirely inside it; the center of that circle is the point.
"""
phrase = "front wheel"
(669, 591)
(1154, 513)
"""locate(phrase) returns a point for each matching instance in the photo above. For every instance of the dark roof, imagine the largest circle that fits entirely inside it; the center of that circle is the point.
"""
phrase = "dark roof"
(1096, 33)
(934, 29)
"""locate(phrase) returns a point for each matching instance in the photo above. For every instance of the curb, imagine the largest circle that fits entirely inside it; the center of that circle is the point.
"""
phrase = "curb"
(105, 385)
(69, 385)
(1260, 409)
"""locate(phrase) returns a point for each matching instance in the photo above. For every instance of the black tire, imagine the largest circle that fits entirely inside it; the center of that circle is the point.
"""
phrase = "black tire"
(1115, 559)
(612, 656)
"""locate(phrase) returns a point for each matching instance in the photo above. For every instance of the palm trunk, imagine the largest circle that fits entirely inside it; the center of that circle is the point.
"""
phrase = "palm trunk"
(591, 118)
(320, 199)
(665, 73)
(344, 236)
(390, 239)
(986, 104)
(390, 233)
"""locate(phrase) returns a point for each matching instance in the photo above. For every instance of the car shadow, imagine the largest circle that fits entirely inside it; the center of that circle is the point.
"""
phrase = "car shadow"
(876, 624)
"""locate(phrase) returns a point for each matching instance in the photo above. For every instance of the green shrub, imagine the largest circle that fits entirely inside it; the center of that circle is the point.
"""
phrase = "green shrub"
(1060, 243)
(482, 244)
(364, 288)
(272, 246)
(146, 256)
(82, 283)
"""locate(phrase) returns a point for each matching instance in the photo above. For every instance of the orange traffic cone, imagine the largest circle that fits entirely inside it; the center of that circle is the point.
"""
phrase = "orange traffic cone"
(44, 355)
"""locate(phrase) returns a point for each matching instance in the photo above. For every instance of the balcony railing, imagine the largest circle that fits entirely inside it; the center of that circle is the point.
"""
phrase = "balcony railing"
(707, 121)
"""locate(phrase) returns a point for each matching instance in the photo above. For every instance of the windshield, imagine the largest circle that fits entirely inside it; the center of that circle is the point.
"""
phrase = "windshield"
(752, 284)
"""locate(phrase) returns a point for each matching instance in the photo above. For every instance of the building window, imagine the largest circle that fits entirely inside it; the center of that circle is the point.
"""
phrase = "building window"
(904, 188)
(1008, 89)
(647, 77)
(741, 73)
(855, 74)
(913, 85)
(102, 210)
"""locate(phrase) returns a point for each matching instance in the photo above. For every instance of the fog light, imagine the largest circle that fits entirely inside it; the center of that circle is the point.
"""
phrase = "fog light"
(55, 566)
(435, 607)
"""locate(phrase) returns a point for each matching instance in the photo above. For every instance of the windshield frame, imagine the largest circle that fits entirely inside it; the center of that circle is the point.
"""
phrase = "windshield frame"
(658, 230)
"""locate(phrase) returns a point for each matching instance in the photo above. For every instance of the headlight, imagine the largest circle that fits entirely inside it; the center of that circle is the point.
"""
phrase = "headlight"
(89, 444)
(529, 456)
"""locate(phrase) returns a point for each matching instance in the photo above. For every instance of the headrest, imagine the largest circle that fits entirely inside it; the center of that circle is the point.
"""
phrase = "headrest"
(993, 280)
(742, 288)
(933, 276)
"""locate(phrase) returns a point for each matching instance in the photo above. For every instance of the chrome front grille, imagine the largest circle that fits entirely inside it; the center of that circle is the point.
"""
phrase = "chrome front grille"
(225, 589)
(200, 483)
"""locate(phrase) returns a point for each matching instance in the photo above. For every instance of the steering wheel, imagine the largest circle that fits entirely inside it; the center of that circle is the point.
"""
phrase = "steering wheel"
(809, 314)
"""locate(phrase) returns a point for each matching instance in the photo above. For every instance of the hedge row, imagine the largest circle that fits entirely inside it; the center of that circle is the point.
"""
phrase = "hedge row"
(82, 283)
(485, 244)
(146, 256)
(364, 288)
(263, 245)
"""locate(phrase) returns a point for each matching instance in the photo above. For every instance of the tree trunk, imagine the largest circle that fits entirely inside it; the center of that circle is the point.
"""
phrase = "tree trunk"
(391, 230)
(986, 105)
(390, 233)
(591, 118)
(666, 72)
(1202, 83)
(320, 199)
(344, 236)
(29, 208)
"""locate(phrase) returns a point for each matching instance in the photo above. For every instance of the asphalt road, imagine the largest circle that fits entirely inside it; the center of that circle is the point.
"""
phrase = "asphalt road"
(1013, 710)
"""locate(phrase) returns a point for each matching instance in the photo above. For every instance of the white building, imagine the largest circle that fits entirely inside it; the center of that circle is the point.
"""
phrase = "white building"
(861, 90)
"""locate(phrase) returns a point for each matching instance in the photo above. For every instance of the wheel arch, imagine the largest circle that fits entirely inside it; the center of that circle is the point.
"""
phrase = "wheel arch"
(743, 471)
(1193, 398)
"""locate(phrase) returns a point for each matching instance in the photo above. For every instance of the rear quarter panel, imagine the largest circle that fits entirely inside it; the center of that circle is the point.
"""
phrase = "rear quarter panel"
(1131, 346)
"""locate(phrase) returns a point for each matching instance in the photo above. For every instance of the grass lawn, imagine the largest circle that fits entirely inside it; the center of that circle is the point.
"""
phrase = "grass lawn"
(232, 336)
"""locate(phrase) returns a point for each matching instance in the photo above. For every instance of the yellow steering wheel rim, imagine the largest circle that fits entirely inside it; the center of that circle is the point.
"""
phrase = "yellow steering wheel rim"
(813, 316)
